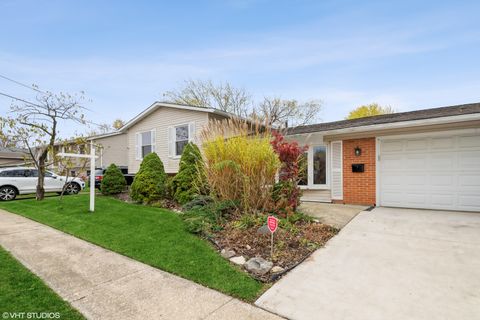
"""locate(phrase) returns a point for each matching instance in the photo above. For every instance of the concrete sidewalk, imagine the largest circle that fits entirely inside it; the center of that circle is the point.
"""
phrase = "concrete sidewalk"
(105, 285)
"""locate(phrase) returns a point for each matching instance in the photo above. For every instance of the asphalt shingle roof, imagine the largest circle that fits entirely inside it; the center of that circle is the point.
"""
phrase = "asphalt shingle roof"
(389, 118)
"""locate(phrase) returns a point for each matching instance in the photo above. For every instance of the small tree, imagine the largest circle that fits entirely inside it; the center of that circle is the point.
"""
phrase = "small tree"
(149, 183)
(373, 109)
(113, 181)
(36, 125)
(286, 192)
(189, 180)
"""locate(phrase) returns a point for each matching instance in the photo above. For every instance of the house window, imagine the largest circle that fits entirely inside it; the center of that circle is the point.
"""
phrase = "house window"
(181, 139)
(320, 165)
(303, 166)
(146, 143)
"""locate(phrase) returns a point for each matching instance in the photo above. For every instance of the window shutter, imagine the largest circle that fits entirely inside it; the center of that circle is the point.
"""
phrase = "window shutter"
(191, 132)
(337, 170)
(138, 146)
(171, 141)
(153, 139)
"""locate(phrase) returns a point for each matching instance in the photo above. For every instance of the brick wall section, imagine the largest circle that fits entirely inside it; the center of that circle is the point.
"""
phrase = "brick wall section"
(359, 187)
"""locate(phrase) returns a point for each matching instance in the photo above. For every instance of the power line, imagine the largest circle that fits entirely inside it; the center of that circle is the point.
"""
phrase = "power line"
(20, 99)
(34, 104)
(22, 84)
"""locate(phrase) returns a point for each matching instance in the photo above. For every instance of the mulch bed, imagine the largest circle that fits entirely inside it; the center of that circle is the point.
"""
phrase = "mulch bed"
(290, 247)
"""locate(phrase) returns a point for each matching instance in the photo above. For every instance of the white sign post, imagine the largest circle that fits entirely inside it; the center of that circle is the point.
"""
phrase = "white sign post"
(92, 158)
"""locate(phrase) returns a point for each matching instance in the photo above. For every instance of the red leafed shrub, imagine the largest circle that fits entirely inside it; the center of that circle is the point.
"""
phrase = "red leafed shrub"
(286, 192)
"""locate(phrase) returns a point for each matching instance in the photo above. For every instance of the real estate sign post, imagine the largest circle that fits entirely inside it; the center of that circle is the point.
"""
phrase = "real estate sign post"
(92, 158)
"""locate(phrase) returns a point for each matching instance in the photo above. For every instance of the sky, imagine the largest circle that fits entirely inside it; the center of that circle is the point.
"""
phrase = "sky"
(125, 54)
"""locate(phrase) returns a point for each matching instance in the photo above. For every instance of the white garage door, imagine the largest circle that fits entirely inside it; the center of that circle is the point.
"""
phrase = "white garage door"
(435, 171)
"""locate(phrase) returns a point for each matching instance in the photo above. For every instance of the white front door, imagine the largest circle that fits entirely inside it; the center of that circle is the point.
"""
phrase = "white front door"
(431, 171)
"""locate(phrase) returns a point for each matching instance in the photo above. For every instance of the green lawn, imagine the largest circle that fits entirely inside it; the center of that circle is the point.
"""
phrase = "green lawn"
(151, 235)
(22, 291)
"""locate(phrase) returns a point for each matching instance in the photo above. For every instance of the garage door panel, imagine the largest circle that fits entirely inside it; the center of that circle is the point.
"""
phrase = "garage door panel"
(469, 202)
(469, 160)
(414, 145)
(393, 180)
(392, 146)
(445, 200)
(437, 172)
(416, 161)
(391, 163)
(414, 180)
(472, 180)
(470, 141)
(442, 180)
(443, 143)
(442, 161)
(416, 198)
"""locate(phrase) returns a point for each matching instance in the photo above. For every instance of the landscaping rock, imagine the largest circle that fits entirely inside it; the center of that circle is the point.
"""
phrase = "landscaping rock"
(277, 269)
(248, 247)
(263, 230)
(240, 260)
(258, 266)
(227, 253)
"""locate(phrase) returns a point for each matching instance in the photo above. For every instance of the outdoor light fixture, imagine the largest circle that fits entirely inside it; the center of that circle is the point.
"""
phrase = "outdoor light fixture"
(358, 151)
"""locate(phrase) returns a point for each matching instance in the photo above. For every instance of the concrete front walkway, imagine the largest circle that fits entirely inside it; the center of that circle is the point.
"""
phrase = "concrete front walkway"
(105, 285)
(336, 215)
(388, 264)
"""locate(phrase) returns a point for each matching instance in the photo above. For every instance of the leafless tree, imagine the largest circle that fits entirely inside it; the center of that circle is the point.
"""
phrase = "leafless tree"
(36, 125)
(222, 96)
(281, 112)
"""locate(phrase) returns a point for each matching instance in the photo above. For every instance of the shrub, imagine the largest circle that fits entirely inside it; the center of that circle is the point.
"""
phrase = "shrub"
(286, 192)
(240, 163)
(113, 181)
(209, 218)
(197, 201)
(189, 181)
(150, 180)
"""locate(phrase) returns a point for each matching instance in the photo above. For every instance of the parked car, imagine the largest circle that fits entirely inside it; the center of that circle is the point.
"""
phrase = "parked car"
(15, 181)
(100, 172)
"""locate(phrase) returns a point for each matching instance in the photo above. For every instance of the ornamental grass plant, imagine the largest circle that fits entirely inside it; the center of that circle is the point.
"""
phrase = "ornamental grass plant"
(240, 163)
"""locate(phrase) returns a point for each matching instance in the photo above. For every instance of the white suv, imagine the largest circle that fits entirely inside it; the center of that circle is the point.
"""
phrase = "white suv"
(15, 181)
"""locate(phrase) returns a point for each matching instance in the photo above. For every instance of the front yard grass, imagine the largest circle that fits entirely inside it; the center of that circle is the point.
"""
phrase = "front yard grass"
(22, 291)
(151, 235)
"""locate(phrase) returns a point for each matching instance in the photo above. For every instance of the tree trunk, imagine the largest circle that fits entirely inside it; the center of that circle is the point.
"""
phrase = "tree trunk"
(41, 178)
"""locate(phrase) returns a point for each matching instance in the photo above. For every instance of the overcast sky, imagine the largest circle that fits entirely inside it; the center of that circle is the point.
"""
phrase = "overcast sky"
(125, 54)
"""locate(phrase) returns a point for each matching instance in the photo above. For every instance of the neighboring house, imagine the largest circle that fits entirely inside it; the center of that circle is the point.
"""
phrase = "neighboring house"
(164, 128)
(420, 159)
(75, 166)
(13, 156)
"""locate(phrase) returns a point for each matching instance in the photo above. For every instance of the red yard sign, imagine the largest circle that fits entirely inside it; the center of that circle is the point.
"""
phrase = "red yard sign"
(272, 223)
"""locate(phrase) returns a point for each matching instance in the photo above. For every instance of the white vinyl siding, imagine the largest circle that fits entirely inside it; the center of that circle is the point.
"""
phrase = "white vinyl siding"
(163, 121)
(337, 171)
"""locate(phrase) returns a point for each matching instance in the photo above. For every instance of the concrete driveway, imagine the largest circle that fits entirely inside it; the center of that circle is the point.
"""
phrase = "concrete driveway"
(388, 264)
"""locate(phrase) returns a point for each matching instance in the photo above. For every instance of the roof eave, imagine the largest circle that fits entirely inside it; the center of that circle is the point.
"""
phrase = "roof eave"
(396, 125)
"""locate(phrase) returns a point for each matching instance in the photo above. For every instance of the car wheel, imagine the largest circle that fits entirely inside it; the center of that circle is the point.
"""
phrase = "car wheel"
(72, 188)
(7, 193)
